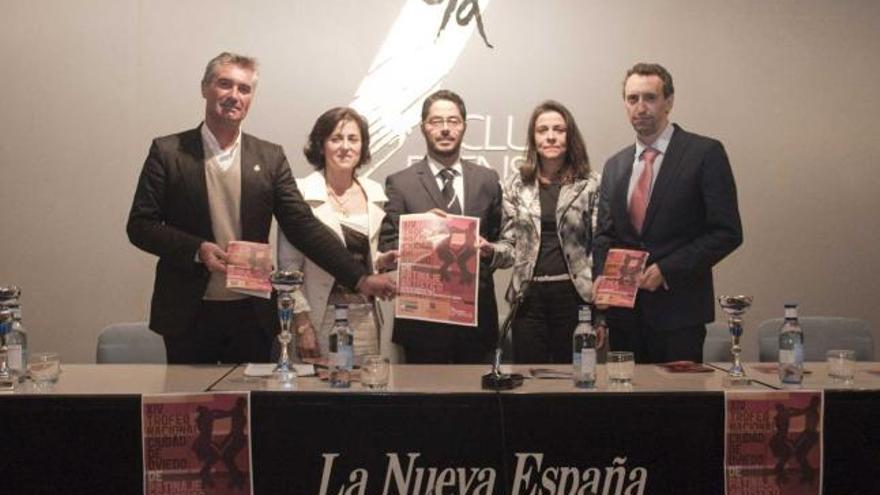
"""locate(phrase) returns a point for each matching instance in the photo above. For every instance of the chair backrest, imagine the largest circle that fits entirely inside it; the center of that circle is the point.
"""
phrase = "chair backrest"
(821, 333)
(716, 348)
(130, 343)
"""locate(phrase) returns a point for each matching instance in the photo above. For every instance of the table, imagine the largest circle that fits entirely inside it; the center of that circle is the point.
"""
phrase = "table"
(83, 435)
(434, 426)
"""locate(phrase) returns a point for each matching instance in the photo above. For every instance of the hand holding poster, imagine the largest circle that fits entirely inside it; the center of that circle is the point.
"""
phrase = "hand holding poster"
(620, 278)
(438, 268)
(248, 268)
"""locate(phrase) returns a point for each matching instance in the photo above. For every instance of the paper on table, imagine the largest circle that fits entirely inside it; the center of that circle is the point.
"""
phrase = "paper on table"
(266, 369)
(772, 369)
(686, 367)
(547, 373)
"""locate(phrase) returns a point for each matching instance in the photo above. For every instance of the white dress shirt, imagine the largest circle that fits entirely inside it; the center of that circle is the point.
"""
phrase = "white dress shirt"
(660, 145)
(224, 158)
(457, 181)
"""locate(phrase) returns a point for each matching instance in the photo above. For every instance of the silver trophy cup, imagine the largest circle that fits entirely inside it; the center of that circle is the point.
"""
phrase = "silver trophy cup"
(735, 307)
(285, 284)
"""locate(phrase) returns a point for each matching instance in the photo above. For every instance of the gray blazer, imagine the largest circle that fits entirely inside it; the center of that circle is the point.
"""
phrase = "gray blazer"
(521, 231)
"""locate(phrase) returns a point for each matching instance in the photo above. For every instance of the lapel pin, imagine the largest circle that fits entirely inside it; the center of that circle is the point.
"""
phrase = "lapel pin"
(257, 167)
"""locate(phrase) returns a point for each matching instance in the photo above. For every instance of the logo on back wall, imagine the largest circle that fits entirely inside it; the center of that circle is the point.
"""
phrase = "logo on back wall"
(413, 62)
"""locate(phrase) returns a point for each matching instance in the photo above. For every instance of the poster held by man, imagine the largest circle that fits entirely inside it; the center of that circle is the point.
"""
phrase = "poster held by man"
(438, 268)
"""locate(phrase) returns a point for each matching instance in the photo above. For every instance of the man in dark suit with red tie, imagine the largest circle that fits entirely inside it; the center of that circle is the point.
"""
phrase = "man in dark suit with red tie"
(443, 181)
(673, 195)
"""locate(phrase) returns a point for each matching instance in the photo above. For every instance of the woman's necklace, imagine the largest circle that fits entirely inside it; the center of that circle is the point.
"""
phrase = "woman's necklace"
(341, 200)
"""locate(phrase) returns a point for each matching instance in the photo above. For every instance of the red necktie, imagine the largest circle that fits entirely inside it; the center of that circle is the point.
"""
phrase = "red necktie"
(638, 202)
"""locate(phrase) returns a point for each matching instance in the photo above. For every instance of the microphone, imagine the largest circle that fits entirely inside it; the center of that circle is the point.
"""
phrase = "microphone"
(495, 379)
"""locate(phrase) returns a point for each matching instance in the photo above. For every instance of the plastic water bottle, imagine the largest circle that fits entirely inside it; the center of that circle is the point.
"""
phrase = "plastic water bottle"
(6, 376)
(16, 337)
(341, 352)
(584, 350)
(791, 348)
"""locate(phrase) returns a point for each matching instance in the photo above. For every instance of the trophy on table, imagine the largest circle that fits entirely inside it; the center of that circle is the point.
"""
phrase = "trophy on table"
(285, 283)
(735, 307)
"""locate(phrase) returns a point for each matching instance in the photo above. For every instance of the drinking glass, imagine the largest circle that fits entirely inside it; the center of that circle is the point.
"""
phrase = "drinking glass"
(374, 372)
(621, 366)
(841, 364)
(44, 367)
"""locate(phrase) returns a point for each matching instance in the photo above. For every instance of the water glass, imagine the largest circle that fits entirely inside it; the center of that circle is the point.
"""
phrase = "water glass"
(374, 372)
(44, 367)
(621, 366)
(841, 364)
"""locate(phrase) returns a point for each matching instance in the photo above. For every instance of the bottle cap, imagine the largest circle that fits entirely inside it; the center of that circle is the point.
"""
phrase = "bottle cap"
(584, 313)
(9, 292)
(341, 312)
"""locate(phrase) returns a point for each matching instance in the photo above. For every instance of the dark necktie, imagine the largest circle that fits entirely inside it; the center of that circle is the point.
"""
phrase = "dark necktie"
(638, 202)
(453, 206)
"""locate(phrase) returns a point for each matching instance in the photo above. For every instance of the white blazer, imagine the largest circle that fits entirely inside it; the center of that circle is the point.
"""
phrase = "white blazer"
(318, 283)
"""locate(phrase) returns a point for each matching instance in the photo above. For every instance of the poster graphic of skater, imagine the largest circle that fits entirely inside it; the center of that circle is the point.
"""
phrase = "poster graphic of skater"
(438, 268)
(196, 444)
(773, 442)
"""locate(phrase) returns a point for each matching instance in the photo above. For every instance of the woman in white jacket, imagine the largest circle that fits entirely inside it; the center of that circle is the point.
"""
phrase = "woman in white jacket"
(351, 207)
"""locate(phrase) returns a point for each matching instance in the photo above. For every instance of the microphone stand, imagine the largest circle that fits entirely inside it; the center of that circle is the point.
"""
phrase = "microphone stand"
(495, 379)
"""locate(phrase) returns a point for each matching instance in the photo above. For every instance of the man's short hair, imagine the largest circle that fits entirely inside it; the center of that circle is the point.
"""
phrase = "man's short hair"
(443, 94)
(658, 70)
(243, 61)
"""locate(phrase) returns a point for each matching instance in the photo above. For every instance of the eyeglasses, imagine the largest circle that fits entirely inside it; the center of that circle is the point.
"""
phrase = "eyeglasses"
(451, 122)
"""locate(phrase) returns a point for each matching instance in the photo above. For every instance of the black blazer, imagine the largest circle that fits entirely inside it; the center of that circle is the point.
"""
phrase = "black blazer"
(414, 190)
(692, 223)
(170, 218)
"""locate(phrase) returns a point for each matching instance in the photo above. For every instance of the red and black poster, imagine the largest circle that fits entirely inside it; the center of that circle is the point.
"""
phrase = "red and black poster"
(773, 443)
(197, 444)
(439, 269)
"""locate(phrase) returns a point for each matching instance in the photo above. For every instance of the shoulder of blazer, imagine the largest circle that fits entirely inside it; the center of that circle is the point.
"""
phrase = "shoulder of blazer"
(682, 136)
(513, 183)
(189, 142)
(265, 149)
(313, 187)
(512, 180)
(411, 171)
(622, 157)
(251, 140)
(593, 180)
(484, 172)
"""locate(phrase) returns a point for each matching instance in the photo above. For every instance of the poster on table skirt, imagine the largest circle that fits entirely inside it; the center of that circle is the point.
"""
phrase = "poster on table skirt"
(196, 444)
(773, 442)
(438, 268)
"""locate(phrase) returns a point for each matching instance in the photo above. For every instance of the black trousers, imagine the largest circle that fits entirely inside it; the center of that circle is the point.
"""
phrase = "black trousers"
(223, 332)
(630, 332)
(545, 322)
